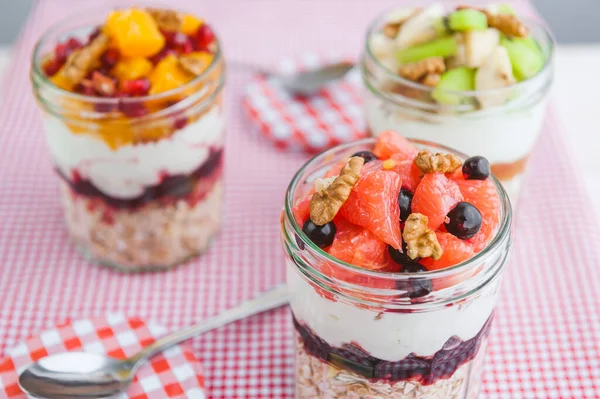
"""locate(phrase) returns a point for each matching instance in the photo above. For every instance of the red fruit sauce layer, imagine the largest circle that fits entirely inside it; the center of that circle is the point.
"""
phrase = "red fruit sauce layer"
(171, 187)
(425, 370)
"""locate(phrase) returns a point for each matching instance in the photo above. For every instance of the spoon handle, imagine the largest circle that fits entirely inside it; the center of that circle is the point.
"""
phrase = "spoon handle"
(271, 299)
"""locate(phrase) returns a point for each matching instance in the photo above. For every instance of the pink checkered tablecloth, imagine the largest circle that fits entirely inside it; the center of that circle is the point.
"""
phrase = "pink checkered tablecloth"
(175, 373)
(546, 336)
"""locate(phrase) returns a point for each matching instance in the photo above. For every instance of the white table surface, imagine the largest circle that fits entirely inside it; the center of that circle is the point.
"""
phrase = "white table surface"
(576, 94)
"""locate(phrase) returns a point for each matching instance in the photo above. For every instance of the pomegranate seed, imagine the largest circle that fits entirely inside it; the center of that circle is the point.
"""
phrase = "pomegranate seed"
(61, 52)
(155, 59)
(169, 37)
(180, 122)
(136, 87)
(110, 58)
(74, 44)
(204, 37)
(51, 67)
(85, 87)
(188, 47)
(133, 109)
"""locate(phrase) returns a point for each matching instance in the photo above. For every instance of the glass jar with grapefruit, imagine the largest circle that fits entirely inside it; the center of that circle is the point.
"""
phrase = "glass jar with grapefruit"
(395, 251)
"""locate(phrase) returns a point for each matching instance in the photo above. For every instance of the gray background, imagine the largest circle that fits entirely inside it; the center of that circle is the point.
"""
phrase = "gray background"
(572, 21)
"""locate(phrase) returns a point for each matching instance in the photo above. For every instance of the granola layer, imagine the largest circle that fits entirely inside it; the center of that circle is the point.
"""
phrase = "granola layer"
(156, 236)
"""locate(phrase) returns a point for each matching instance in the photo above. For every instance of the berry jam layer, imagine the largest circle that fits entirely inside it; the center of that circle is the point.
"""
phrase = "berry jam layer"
(171, 187)
(425, 370)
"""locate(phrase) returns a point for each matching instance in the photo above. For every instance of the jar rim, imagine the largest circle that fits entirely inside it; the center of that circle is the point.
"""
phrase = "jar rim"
(56, 27)
(500, 237)
(549, 41)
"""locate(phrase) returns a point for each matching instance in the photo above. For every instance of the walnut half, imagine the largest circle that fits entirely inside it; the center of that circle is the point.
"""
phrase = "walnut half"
(417, 70)
(325, 204)
(427, 162)
(421, 241)
(80, 61)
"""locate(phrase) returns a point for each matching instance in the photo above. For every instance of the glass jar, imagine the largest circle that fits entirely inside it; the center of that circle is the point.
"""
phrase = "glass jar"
(363, 334)
(501, 124)
(141, 177)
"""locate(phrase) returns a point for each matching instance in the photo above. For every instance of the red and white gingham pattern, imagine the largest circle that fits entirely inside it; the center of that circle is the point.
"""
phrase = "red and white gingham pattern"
(176, 373)
(545, 341)
(330, 117)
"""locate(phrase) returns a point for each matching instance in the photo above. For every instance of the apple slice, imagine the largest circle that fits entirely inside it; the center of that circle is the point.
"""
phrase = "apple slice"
(420, 27)
(494, 73)
(525, 55)
(467, 19)
(443, 47)
(457, 79)
(479, 44)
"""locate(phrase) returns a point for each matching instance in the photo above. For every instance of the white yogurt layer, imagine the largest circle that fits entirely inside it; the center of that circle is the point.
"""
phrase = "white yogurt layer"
(500, 136)
(126, 171)
(387, 336)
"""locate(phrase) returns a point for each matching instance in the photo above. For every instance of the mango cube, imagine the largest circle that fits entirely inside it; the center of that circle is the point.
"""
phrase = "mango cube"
(168, 75)
(132, 68)
(135, 32)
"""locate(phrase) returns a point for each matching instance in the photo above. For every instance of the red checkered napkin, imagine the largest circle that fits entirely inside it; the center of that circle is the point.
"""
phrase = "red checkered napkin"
(176, 373)
(330, 117)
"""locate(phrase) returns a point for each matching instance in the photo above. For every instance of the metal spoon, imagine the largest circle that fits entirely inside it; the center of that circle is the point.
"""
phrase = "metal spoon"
(72, 375)
(304, 82)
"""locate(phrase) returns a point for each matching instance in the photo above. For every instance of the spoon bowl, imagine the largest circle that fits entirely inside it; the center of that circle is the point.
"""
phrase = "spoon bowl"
(76, 375)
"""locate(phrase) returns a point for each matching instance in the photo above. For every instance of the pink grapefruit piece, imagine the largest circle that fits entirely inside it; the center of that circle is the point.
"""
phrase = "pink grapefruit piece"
(409, 172)
(434, 197)
(455, 252)
(358, 246)
(483, 195)
(391, 143)
(373, 204)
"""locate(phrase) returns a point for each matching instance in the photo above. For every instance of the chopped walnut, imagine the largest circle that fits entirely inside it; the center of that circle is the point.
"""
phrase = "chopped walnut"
(421, 241)
(167, 20)
(80, 61)
(324, 205)
(431, 79)
(438, 163)
(417, 70)
(322, 183)
(508, 24)
(103, 85)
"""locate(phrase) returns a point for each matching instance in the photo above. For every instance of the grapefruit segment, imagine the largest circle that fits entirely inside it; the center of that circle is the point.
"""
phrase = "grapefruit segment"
(390, 143)
(358, 246)
(302, 211)
(455, 252)
(434, 197)
(484, 196)
(373, 204)
(408, 171)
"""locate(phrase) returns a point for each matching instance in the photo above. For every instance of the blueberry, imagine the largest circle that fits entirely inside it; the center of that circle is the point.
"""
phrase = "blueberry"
(368, 156)
(400, 258)
(320, 235)
(476, 168)
(414, 288)
(404, 201)
(464, 221)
